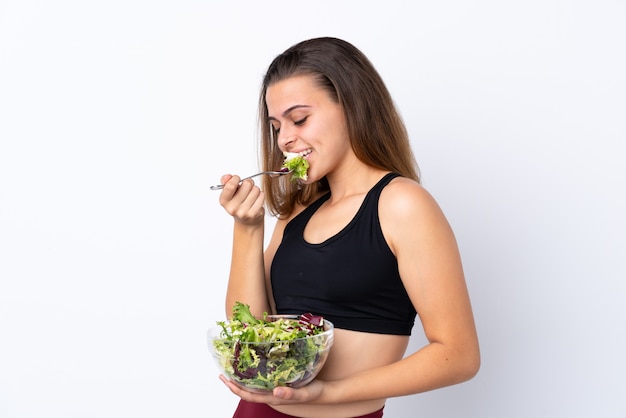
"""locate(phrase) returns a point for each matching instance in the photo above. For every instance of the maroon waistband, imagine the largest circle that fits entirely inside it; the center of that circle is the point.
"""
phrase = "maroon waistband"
(247, 409)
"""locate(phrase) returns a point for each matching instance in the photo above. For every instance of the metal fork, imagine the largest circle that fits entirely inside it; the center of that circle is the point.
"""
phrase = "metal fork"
(269, 173)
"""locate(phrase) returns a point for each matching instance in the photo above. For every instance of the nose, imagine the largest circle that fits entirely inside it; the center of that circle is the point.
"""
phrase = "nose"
(285, 140)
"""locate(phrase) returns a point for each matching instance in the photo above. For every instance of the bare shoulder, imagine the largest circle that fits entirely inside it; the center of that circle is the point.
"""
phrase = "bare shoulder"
(404, 197)
(408, 211)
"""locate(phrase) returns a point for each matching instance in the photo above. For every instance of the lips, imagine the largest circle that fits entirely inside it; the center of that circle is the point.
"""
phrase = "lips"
(303, 154)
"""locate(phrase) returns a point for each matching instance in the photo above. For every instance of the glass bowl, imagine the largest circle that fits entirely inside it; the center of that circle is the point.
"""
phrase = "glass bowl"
(261, 366)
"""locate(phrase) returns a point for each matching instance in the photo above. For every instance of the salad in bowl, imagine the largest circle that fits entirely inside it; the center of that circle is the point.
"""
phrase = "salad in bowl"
(278, 350)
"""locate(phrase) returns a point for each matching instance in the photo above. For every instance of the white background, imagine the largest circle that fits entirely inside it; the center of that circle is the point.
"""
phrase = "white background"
(116, 116)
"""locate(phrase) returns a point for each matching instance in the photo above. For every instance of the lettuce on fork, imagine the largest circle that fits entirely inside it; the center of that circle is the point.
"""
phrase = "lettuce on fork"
(297, 164)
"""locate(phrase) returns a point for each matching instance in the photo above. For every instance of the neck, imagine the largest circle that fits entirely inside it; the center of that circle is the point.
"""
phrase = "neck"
(355, 180)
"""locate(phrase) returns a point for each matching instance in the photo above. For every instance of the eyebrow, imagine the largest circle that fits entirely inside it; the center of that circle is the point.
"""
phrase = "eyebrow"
(288, 111)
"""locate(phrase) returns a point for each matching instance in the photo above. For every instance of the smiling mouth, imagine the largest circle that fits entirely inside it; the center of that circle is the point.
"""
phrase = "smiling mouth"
(290, 155)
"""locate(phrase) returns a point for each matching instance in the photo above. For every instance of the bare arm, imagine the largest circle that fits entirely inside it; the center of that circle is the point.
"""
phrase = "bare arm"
(246, 282)
(270, 251)
(431, 270)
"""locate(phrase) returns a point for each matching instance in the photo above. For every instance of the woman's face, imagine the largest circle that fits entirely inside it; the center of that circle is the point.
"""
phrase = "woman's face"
(307, 121)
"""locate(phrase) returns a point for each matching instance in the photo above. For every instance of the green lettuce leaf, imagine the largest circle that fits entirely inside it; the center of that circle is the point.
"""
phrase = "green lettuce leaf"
(297, 164)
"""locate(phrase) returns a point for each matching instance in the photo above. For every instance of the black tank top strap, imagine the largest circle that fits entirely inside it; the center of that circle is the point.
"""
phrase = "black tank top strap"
(378, 187)
(300, 220)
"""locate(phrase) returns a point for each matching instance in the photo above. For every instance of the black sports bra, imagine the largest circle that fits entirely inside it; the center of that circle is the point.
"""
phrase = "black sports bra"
(351, 279)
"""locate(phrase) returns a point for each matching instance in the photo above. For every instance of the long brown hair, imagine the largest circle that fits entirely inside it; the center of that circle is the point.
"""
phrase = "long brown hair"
(377, 133)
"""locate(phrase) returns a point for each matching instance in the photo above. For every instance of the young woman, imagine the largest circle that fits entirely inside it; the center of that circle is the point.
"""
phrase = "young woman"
(360, 242)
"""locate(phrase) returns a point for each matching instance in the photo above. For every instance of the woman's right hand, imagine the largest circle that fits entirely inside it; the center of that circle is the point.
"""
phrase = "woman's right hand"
(244, 201)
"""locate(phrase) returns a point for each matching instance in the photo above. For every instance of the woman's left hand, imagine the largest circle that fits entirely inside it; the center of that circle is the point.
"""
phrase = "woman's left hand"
(281, 395)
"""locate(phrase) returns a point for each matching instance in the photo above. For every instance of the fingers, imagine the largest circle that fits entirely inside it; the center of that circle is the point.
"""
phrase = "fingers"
(248, 396)
(267, 398)
(243, 201)
(225, 178)
(280, 395)
(308, 393)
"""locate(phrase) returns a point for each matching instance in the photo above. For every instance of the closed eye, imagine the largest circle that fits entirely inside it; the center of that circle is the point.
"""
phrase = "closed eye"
(301, 121)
